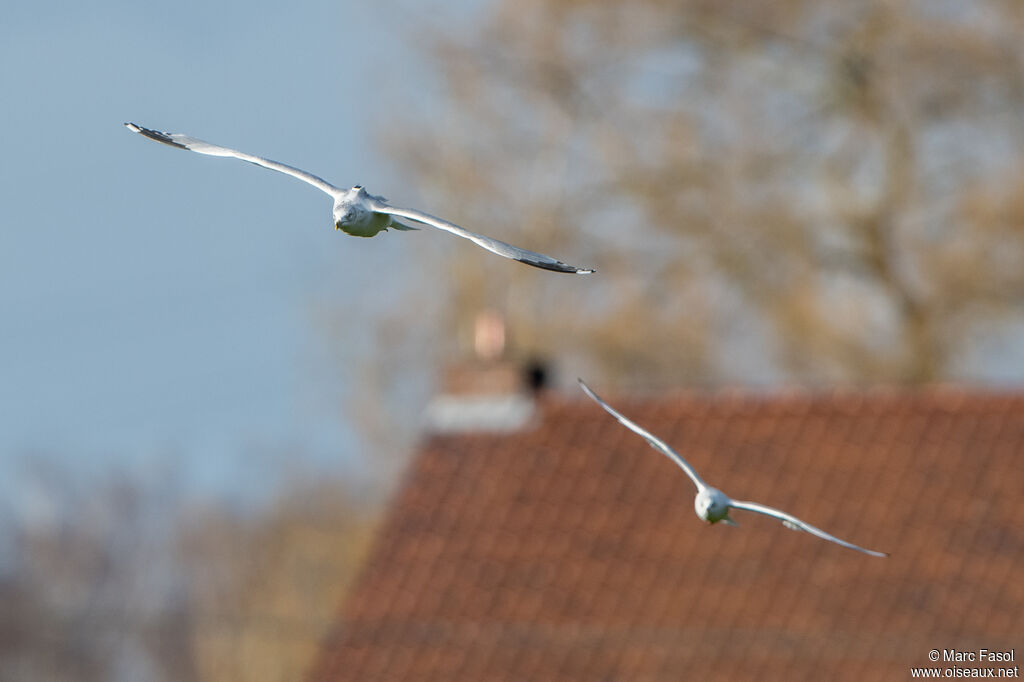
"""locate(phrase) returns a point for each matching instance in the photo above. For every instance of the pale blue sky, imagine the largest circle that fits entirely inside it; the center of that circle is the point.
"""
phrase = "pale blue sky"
(163, 309)
(157, 304)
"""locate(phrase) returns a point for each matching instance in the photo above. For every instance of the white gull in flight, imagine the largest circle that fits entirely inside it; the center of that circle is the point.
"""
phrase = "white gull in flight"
(711, 504)
(359, 213)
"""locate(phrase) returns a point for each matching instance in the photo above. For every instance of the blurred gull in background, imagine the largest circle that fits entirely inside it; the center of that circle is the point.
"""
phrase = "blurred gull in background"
(711, 504)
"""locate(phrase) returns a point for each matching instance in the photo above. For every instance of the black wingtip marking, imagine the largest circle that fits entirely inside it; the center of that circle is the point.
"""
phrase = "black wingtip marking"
(557, 266)
(155, 135)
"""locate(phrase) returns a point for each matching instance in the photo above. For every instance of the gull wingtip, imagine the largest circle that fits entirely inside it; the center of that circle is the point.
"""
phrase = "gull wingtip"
(871, 552)
(548, 263)
(588, 390)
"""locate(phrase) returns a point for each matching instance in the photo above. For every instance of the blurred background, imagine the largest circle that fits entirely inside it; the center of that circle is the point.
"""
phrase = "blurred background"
(206, 393)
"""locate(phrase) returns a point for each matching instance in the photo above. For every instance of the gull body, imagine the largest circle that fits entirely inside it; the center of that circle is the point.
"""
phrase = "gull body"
(354, 215)
(359, 213)
(711, 504)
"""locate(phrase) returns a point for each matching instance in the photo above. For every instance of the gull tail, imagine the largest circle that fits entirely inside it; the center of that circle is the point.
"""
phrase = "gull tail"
(395, 225)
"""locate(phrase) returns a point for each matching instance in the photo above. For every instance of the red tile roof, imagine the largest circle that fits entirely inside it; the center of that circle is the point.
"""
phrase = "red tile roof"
(570, 551)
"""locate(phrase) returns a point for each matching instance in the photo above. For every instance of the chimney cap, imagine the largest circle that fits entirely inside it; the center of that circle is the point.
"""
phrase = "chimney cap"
(489, 335)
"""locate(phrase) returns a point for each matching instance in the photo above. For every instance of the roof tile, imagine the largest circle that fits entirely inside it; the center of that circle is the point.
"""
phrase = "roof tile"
(570, 550)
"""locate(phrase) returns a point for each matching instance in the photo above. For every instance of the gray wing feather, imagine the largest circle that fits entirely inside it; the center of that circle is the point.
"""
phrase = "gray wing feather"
(501, 248)
(193, 145)
(651, 439)
(794, 523)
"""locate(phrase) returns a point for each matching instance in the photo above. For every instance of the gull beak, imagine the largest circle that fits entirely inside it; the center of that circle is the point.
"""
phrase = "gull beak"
(730, 522)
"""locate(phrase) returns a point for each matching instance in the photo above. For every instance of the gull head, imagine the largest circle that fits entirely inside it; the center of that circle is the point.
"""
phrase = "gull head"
(354, 215)
(344, 212)
(711, 505)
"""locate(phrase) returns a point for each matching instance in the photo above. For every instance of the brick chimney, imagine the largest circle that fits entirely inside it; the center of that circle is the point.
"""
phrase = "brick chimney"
(488, 392)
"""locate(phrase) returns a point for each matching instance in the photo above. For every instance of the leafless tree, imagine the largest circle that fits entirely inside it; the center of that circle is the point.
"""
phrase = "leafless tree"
(264, 589)
(124, 579)
(790, 191)
(90, 592)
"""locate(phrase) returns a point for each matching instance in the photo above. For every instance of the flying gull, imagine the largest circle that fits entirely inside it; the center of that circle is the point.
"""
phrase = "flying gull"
(359, 213)
(711, 504)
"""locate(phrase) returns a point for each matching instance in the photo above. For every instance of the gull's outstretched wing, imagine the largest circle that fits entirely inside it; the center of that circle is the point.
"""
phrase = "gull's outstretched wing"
(194, 145)
(794, 523)
(537, 260)
(654, 441)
